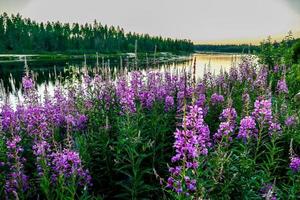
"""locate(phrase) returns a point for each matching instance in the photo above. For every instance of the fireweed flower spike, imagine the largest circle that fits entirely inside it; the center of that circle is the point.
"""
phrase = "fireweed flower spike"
(267, 191)
(227, 125)
(67, 163)
(229, 114)
(282, 86)
(261, 80)
(276, 69)
(263, 115)
(216, 99)
(295, 164)
(246, 71)
(169, 103)
(262, 111)
(16, 180)
(290, 121)
(246, 103)
(190, 143)
(136, 82)
(36, 124)
(126, 96)
(247, 128)
(27, 83)
(30, 94)
(275, 127)
(225, 130)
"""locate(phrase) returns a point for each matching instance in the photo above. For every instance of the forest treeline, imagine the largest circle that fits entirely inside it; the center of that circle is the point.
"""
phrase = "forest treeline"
(243, 48)
(18, 34)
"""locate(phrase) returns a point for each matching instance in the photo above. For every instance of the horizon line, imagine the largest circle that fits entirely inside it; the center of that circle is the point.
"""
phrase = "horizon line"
(249, 41)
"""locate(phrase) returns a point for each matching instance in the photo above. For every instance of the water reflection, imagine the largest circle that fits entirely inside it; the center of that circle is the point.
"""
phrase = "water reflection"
(52, 73)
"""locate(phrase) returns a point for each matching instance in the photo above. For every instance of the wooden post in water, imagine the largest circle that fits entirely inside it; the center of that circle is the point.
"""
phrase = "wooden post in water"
(121, 62)
(97, 60)
(155, 48)
(194, 73)
(135, 52)
(26, 66)
(126, 62)
(249, 49)
(147, 60)
(55, 73)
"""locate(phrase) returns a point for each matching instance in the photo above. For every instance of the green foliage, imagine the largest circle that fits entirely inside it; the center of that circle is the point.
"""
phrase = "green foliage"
(272, 53)
(293, 79)
(296, 52)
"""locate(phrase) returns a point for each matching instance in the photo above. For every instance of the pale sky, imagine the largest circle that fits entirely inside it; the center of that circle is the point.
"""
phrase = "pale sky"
(205, 21)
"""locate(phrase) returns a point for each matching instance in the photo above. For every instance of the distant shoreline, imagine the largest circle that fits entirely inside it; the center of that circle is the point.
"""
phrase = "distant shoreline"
(219, 52)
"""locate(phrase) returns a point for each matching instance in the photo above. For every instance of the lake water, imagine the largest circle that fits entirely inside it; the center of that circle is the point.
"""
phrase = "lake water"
(52, 73)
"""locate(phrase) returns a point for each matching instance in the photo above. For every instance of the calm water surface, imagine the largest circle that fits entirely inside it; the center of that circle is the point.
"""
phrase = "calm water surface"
(53, 73)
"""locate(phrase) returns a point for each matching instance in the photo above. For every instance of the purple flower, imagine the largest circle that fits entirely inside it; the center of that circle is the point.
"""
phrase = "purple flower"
(225, 130)
(41, 148)
(220, 81)
(246, 71)
(262, 111)
(246, 98)
(233, 74)
(87, 79)
(228, 114)
(261, 79)
(274, 128)
(295, 164)
(30, 94)
(216, 99)
(201, 88)
(276, 69)
(70, 120)
(170, 182)
(16, 180)
(81, 121)
(190, 143)
(227, 125)
(247, 128)
(12, 144)
(282, 87)
(190, 183)
(27, 83)
(290, 121)
(175, 171)
(68, 164)
(169, 103)
(201, 100)
(147, 99)
(126, 96)
(88, 104)
(136, 82)
(268, 192)
(9, 119)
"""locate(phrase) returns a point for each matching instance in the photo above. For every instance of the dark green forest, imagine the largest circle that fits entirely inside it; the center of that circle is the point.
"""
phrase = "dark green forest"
(23, 35)
(243, 48)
